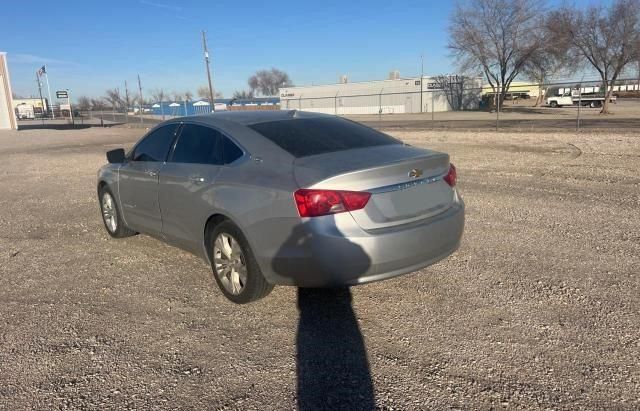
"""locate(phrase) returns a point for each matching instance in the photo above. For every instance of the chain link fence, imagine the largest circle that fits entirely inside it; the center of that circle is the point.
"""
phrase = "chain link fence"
(556, 105)
(565, 105)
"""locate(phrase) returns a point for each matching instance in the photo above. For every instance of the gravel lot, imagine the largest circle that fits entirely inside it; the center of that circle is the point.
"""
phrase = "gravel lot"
(540, 308)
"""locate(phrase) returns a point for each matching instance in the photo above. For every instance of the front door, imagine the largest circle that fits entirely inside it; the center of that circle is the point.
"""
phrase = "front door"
(138, 180)
(185, 188)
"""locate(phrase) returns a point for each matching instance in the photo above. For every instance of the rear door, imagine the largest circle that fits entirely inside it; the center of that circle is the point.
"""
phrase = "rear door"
(185, 189)
(138, 180)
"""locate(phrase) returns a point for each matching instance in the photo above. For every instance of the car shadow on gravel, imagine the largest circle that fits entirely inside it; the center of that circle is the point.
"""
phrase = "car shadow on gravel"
(332, 365)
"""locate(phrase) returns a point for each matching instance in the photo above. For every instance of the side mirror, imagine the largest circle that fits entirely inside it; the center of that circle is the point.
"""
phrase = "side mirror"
(116, 156)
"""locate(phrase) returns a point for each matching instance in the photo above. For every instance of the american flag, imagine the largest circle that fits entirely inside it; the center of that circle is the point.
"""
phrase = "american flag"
(42, 70)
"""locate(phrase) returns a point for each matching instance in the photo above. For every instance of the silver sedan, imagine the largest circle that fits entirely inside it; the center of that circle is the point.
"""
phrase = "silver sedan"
(285, 197)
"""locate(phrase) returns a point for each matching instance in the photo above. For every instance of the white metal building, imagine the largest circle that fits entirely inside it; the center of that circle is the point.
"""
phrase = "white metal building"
(396, 95)
(7, 115)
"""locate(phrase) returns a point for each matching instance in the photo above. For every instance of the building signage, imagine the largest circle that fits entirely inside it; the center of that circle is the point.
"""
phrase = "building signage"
(62, 94)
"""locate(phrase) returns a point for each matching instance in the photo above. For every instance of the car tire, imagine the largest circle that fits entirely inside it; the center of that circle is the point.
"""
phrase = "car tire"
(111, 215)
(236, 271)
(554, 104)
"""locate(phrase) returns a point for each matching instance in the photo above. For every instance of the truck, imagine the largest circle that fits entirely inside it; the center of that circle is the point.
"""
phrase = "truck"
(25, 112)
(585, 96)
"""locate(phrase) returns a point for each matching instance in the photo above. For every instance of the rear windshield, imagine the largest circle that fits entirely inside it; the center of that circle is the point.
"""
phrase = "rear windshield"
(311, 136)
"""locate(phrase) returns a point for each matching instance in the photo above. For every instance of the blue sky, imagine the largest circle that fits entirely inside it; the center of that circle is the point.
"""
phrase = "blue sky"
(89, 46)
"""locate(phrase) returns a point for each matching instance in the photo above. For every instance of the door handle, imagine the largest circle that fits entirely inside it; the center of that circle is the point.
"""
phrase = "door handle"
(197, 180)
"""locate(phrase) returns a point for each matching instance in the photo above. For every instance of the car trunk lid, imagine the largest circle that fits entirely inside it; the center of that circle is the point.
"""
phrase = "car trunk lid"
(405, 182)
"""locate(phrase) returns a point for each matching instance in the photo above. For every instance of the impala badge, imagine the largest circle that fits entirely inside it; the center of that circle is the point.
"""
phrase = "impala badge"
(415, 173)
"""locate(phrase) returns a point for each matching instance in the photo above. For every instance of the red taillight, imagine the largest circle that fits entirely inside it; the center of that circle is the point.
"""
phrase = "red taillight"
(313, 203)
(451, 176)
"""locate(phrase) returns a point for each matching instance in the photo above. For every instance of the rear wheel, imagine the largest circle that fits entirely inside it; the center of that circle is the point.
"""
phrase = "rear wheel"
(554, 104)
(234, 266)
(111, 216)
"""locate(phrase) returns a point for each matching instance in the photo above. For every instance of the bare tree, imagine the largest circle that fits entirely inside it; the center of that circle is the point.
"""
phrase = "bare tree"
(129, 100)
(98, 104)
(159, 95)
(496, 37)
(203, 93)
(458, 89)
(607, 38)
(114, 98)
(267, 82)
(545, 63)
(83, 103)
(188, 95)
(243, 94)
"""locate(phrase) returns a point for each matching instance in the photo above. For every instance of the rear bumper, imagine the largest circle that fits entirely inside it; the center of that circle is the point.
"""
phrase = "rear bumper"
(334, 251)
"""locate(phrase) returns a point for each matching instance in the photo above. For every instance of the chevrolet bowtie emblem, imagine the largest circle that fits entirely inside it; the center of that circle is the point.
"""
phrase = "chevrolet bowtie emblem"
(415, 173)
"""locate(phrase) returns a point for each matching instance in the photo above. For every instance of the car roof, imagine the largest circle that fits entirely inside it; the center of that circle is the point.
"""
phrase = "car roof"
(237, 124)
(246, 118)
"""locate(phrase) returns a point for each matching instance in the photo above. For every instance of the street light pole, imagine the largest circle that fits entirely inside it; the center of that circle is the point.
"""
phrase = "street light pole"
(126, 102)
(421, 81)
(206, 61)
(141, 100)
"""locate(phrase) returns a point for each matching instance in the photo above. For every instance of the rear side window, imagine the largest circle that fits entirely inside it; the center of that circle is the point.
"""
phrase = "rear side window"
(308, 137)
(156, 145)
(230, 151)
(198, 145)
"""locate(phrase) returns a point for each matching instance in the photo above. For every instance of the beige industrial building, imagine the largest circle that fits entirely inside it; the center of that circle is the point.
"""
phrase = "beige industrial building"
(392, 96)
(7, 114)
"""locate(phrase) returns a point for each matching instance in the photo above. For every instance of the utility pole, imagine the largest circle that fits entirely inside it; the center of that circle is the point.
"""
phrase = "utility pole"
(41, 99)
(579, 102)
(70, 108)
(421, 81)
(46, 76)
(206, 61)
(498, 107)
(140, 89)
(126, 102)
(432, 108)
(639, 75)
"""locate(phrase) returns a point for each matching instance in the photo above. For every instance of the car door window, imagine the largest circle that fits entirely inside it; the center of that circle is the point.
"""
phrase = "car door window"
(230, 151)
(156, 145)
(198, 145)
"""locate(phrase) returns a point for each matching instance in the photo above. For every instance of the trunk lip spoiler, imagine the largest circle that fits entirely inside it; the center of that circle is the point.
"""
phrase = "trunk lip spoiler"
(406, 184)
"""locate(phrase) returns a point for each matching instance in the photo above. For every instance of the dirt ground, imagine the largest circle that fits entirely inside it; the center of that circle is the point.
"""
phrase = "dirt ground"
(540, 307)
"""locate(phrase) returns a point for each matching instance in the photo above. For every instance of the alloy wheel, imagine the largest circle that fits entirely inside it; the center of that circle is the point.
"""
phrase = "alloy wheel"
(230, 263)
(109, 213)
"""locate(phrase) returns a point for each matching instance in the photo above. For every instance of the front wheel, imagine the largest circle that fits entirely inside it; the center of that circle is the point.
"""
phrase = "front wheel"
(234, 266)
(111, 216)
(554, 104)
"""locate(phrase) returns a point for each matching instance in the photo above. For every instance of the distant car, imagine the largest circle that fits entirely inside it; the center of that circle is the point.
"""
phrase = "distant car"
(285, 197)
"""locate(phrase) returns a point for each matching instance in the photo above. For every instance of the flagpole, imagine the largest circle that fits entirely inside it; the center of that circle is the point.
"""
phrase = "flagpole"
(46, 76)
(41, 99)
